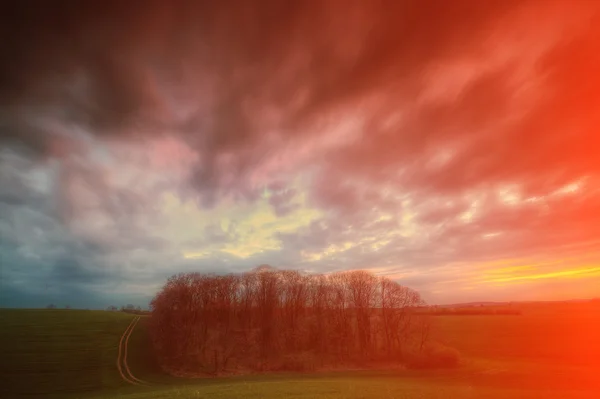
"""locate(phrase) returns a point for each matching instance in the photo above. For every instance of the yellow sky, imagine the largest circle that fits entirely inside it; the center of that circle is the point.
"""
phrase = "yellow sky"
(256, 225)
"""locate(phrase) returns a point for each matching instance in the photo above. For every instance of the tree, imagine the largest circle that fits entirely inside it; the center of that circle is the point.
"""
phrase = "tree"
(267, 303)
(270, 318)
(51, 306)
(294, 300)
(361, 287)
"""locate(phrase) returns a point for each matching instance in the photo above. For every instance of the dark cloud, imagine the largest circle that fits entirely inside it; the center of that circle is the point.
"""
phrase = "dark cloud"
(41, 246)
(496, 138)
(69, 270)
(445, 103)
(282, 201)
(12, 297)
(102, 66)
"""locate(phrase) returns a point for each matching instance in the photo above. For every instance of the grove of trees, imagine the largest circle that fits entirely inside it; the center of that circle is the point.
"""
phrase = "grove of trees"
(270, 319)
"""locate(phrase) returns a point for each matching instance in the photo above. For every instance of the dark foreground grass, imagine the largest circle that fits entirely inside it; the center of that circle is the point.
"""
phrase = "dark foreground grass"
(58, 351)
(350, 385)
(71, 354)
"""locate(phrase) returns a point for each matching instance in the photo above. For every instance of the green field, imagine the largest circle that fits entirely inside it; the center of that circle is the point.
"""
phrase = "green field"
(551, 351)
(59, 351)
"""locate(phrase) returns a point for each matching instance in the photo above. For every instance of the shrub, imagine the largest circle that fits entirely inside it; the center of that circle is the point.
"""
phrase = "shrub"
(433, 356)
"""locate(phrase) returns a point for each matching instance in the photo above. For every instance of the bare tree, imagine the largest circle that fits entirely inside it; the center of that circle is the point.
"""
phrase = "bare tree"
(255, 320)
(361, 287)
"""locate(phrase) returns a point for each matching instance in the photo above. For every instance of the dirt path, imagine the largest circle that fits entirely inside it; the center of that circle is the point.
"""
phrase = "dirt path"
(122, 365)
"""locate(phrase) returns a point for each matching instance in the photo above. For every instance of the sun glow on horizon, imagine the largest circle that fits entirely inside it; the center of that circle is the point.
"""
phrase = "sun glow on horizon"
(576, 273)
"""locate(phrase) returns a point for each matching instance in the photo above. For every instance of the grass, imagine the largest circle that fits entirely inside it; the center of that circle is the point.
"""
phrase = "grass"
(562, 333)
(548, 352)
(59, 351)
(356, 386)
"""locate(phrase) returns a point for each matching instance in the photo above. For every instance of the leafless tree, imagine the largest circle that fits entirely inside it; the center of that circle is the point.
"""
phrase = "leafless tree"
(212, 323)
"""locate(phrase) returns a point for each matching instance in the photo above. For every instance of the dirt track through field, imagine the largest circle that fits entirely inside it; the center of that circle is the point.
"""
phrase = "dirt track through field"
(122, 365)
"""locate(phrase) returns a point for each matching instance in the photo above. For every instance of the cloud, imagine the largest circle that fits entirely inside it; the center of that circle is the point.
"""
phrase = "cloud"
(395, 136)
(259, 58)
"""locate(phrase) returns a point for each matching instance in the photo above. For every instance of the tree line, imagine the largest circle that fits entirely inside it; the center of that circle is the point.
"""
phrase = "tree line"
(129, 308)
(472, 311)
(269, 319)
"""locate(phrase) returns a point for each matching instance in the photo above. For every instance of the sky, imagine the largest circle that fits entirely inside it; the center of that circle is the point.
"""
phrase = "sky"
(451, 146)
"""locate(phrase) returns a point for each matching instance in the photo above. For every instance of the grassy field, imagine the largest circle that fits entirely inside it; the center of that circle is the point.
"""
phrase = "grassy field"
(59, 351)
(560, 333)
(550, 351)
(551, 345)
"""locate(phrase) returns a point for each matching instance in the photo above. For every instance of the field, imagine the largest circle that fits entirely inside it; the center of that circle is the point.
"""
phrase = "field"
(550, 351)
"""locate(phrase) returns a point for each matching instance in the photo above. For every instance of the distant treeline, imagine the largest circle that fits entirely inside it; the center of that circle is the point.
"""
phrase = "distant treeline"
(469, 311)
(280, 319)
(129, 309)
